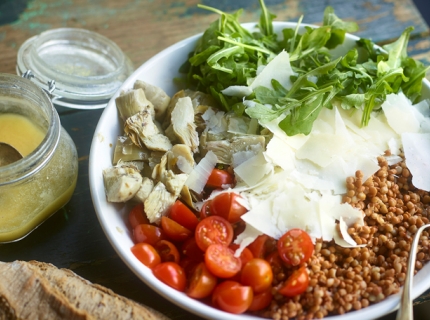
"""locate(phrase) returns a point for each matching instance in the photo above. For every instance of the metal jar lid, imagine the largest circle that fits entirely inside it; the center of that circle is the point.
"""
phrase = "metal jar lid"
(80, 68)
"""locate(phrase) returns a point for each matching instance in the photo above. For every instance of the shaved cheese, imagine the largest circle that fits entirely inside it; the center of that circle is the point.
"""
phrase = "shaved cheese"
(237, 91)
(322, 148)
(253, 170)
(417, 153)
(241, 156)
(246, 238)
(279, 69)
(200, 174)
(346, 240)
(183, 164)
(400, 114)
(279, 153)
(215, 121)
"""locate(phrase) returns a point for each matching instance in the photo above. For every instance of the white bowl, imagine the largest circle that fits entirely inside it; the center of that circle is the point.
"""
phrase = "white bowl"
(159, 71)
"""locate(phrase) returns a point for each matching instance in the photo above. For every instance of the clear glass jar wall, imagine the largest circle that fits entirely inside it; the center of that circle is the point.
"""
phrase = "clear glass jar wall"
(35, 187)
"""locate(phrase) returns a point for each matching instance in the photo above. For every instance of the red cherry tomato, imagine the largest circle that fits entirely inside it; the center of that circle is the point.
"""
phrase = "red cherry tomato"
(167, 251)
(275, 261)
(261, 300)
(171, 274)
(295, 247)
(148, 233)
(227, 205)
(238, 228)
(258, 246)
(296, 284)
(188, 264)
(231, 296)
(221, 261)
(191, 249)
(213, 229)
(205, 210)
(219, 178)
(174, 230)
(201, 283)
(137, 216)
(146, 254)
(180, 213)
(257, 274)
(245, 256)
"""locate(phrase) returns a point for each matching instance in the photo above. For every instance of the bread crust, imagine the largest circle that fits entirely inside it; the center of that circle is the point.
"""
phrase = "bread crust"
(37, 290)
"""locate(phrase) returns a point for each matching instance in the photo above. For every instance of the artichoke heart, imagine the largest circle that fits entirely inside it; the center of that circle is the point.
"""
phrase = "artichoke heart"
(131, 102)
(182, 124)
(144, 133)
(225, 149)
(180, 159)
(156, 95)
(121, 183)
(126, 150)
(145, 190)
(163, 196)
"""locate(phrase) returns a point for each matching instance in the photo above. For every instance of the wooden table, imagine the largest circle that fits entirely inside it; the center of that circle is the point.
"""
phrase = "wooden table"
(73, 238)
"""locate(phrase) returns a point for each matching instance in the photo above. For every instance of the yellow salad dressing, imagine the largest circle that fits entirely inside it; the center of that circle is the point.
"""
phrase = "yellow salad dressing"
(24, 205)
(20, 132)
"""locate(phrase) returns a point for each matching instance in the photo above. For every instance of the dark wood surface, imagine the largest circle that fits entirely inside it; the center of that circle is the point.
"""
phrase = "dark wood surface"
(73, 238)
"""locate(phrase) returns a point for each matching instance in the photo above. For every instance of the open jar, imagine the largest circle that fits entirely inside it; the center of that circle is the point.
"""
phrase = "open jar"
(43, 181)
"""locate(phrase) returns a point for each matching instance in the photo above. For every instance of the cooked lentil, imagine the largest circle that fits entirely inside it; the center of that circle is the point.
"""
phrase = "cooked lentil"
(346, 279)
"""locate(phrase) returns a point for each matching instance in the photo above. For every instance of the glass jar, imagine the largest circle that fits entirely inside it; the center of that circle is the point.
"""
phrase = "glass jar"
(86, 67)
(38, 185)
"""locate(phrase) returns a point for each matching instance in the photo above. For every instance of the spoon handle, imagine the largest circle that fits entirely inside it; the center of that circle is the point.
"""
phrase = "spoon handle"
(405, 309)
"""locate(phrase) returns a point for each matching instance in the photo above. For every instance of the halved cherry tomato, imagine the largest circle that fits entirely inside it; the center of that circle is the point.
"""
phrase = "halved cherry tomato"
(201, 283)
(258, 246)
(275, 261)
(174, 230)
(205, 210)
(167, 251)
(146, 254)
(188, 264)
(257, 274)
(148, 233)
(171, 274)
(190, 249)
(231, 296)
(213, 229)
(296, 284)
(137, 216)
(221, 261)
(238, 228)
(227, 205)
(219, 178)
(295, 247)
(183, 215)
(261, 300)
(245, 256)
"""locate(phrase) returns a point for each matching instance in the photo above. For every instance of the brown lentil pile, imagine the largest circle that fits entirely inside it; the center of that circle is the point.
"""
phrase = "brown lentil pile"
(347, 279)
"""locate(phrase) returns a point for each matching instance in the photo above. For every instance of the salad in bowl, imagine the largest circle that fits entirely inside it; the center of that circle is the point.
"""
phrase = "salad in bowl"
(269, 169)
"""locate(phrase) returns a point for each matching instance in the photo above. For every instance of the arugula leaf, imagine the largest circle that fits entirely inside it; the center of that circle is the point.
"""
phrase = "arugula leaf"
(262, 112)
(302, 119)
(266, 18)
(227, 54)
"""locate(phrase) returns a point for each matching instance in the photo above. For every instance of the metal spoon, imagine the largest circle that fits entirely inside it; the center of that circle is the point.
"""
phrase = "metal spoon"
(8, 154)
(405, 311)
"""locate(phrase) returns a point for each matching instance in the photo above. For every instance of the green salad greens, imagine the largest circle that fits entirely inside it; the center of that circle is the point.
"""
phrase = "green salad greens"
(229, 55)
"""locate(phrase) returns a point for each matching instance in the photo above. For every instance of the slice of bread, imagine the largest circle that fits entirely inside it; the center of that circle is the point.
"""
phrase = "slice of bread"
(37, 290)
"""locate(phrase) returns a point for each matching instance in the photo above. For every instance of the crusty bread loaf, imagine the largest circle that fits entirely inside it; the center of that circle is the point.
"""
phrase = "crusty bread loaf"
(37, 290)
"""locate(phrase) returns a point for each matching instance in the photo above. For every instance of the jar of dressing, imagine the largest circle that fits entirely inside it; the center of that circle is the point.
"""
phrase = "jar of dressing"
(79, 69)
(35, 187)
